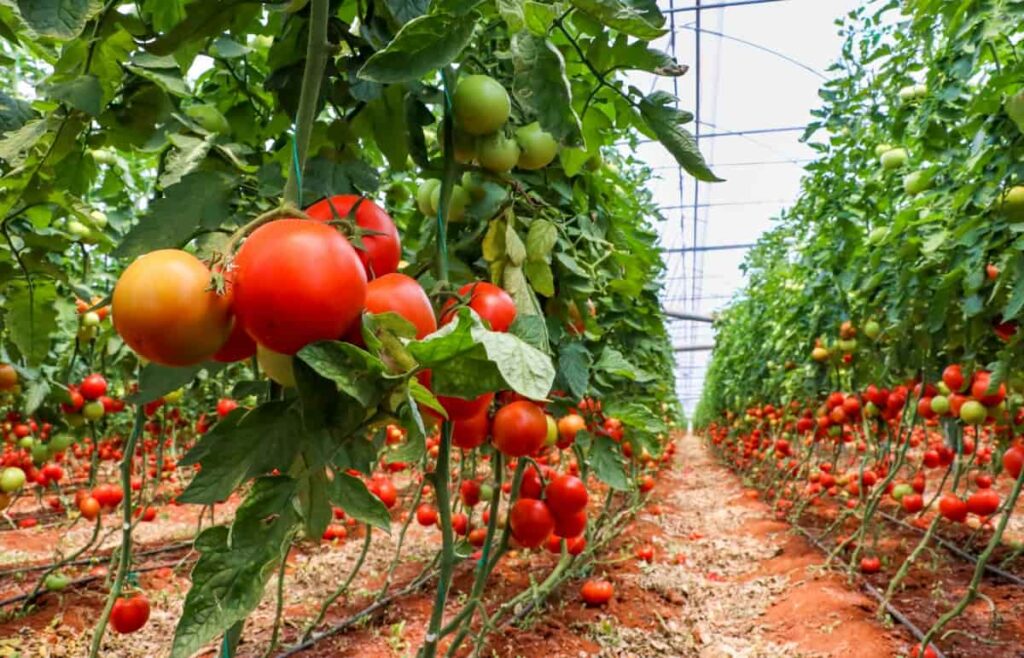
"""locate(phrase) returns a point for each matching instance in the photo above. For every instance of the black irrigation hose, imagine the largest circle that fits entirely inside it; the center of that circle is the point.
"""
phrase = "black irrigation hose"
(79, 582)
(959, 552)
(96, 558)
(870, 589)
(357, 617)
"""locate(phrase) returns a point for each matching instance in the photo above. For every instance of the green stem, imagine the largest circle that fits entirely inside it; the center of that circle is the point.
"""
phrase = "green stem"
(60, 563)
(276, 634)
(344, 586)
(447, 566)
(125, 553)
(309, 96)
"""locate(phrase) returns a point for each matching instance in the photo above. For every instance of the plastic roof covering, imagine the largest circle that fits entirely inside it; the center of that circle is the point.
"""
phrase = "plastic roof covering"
(760, 67)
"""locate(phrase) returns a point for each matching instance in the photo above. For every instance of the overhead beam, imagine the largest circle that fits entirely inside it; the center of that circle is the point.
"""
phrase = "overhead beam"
(692, 348)
(708, 247)
(717, 5)
(684, 315)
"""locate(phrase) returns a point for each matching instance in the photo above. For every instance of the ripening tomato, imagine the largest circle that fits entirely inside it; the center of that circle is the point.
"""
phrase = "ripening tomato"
(129, 614)
(403, 295)
(8, 377)
(568, 427)
(297, 282)
(531, 522)
(566, 495)
(519, 429)
(489, 301)
(89, 507)
(382, 249)
(597, 592)
(165, 311)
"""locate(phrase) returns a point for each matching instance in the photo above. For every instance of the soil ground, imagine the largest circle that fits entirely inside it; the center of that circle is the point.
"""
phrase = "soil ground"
(726, 581)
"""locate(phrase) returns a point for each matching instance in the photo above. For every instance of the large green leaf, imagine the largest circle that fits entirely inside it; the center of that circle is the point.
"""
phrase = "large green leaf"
(605, 459)
(350, 494)
(666, 123)
(241, 446)
(424, 44)
(638, 18)
(31, 317)
(200, 200)
(156, 380)
(57, 19)
(540, 84)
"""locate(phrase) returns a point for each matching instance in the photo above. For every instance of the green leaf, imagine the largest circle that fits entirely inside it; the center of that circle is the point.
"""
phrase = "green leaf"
(666, 121)
(203, 20)
(387, 117)
(514, 282)
(156, 380)
(314, 503)
(350, 494)
(468, 360)
(406, 10)
(56, 19)
(424, 44)
(17, 143)
(514, 247)
(541, 84)
(605, 460)
(540, 276)
(235, 565)
(200, 200)
(357, 373)
(188, 154)
(512, 13)
(241, 446)
(574, 368)
(540, 240)
(638, 18)
(494, 241)
(83, 93)
(532, 329)
(31, 317)
(612, 361)
(539, 17)
(14, 113)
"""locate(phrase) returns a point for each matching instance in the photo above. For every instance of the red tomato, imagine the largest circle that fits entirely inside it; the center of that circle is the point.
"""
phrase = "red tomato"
(225, 406)
(470, 493)
(568, 427)
(519, 429)
(93, 387)
(953, 508)
(530, 486)
(89, 507)
(571, 525)
(953, 377)
(983, 503)
(597, 592)
(912, 503)
(381, 253)
(490, 302)
(566, 495)
(403, 295)
(297, 282)
(929, 652)
(1013, 461)
(460, 524)
(471, 432)
(426, 514)
(870, 565)
(384, 490)
(981, 384)
(238, 347)
(644, 553)
(531, 522)
(129, 614)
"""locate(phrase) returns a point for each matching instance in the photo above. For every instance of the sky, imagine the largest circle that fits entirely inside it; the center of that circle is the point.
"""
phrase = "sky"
(743, 88)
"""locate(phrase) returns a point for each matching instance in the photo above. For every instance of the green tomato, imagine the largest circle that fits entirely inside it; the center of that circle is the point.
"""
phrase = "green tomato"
(474, 186)
(26, 443)
(901, 490)
(1014, 107)
(894, 158)
(61, 442)
(55, 582)
(463, 143)
(552, 436)
(103, 156)
(174, 397)
(498, 153)
(943, 389)
(93, 411)
(91, 319)
(538, 148)
(882, 148)
(878, 234)
(1012, 203)
(277, 366)
(78, 229)
(486, 492)
(940, 405)
(872, 329)
(74, 420)
(457, 204)
(481, 105)
(425, 196)
(98, 218)
(973, 412)
(12, 479)
(848, 346)
(870, 410)
(594, 162)
(40, 452)
(916, 182)
(87, 333)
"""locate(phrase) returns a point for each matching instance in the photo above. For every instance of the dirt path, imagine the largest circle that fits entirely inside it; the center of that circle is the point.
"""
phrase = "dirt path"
(727, 581)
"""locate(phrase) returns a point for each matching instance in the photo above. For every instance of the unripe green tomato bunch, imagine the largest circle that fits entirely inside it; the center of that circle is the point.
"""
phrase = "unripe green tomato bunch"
(482, 107)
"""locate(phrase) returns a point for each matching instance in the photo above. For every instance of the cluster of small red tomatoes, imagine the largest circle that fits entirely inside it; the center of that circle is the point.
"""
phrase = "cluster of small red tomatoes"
(293, 282)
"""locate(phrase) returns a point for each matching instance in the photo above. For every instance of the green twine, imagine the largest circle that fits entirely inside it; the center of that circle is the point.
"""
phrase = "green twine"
(295, 162)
